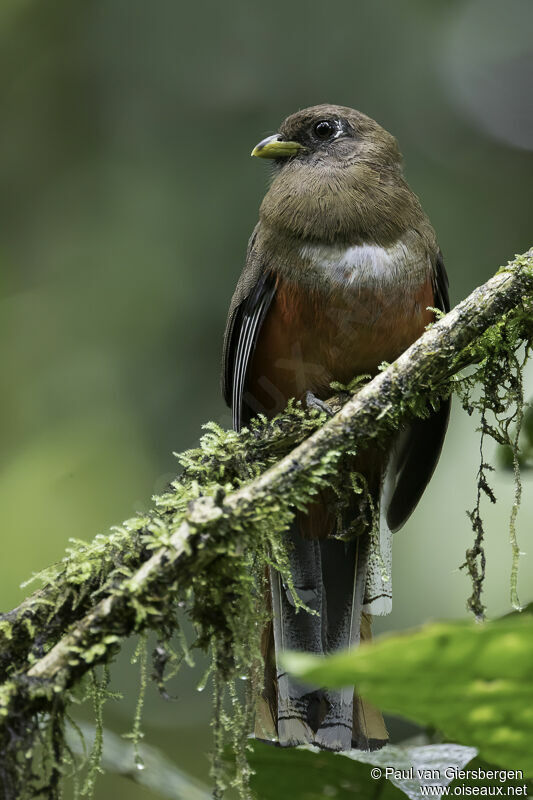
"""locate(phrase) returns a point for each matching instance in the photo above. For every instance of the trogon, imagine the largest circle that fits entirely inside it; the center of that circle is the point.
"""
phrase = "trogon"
(343, 272)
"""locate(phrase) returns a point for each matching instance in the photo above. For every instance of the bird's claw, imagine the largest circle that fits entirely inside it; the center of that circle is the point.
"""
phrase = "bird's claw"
(312, 401)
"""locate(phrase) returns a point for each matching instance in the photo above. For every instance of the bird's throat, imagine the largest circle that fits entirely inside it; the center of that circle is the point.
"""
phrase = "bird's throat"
(348, 204)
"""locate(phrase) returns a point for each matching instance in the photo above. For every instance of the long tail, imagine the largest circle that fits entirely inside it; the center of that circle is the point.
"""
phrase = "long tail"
(329, 577)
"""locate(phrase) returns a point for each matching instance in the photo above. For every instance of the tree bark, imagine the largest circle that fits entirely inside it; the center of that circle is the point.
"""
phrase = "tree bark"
(91, 632)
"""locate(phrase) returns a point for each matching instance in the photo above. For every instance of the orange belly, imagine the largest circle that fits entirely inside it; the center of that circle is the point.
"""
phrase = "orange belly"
(310, 339)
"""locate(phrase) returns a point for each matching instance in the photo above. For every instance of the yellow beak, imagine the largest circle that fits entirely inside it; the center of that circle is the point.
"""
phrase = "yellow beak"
(275, 147)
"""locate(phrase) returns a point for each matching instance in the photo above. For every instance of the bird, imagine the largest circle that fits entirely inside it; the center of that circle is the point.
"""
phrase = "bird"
(342, 273)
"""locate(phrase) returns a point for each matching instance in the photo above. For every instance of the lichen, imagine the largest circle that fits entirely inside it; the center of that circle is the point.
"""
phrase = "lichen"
(98, 689)
(140, 656)
(493, 388)
(222, 577)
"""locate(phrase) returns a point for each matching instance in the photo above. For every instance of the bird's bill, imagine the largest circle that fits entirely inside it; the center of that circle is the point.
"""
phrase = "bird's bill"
(275, 147)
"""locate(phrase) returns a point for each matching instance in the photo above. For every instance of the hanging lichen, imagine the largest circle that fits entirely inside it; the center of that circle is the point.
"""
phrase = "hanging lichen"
(98, 688)
(204, 552)
(493, 388)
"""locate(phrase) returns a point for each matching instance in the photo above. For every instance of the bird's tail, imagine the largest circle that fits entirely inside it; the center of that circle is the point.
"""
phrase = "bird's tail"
(329, 577)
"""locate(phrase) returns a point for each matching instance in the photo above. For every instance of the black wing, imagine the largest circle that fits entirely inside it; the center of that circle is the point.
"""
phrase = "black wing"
(421, 443)
(244, 324)
(440, 285)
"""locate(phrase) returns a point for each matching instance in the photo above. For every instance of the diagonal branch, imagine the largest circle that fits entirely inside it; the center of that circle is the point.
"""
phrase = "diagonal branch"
(214, 526)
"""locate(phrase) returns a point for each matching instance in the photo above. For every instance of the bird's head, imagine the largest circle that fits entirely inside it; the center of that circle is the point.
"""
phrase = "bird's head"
(338, 175)
(331, 137)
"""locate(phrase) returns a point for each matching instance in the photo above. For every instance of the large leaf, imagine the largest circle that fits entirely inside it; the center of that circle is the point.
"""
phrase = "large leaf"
(307, 773)
(472, 681)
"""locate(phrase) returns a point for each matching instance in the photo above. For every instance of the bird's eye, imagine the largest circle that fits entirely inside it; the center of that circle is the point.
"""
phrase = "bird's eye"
(324, 129)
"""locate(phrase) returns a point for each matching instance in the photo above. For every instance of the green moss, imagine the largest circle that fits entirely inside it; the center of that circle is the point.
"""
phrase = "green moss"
(136, 735)
(6, 631)
(223, 579)
(98, 687)
(493, 389)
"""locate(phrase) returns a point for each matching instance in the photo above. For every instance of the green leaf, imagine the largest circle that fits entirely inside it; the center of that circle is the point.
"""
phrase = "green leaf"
(311, 774)
(471, 681)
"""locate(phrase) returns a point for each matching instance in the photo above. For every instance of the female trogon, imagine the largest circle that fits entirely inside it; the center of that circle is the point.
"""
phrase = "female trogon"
(343, 272)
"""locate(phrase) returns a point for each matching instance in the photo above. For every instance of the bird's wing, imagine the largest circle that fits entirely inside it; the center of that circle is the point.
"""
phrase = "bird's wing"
(420, 445)
(249, 306)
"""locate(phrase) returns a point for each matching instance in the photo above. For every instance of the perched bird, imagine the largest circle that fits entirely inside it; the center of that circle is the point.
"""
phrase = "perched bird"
(342, 272)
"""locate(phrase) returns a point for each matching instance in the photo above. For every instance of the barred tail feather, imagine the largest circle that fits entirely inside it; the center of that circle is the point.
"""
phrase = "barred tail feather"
(329, 577)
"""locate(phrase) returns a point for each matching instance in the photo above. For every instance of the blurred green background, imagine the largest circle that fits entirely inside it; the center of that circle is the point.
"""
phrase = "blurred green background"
(127, 197)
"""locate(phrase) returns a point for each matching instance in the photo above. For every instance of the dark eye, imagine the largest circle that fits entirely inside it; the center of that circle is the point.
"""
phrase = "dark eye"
(324, 129)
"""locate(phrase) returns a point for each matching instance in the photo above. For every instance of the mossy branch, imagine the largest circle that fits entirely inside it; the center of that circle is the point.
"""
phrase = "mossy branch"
(228, 508)
(373, 414)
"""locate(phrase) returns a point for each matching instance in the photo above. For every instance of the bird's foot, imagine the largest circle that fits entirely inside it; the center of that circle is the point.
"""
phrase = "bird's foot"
(312, 401)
